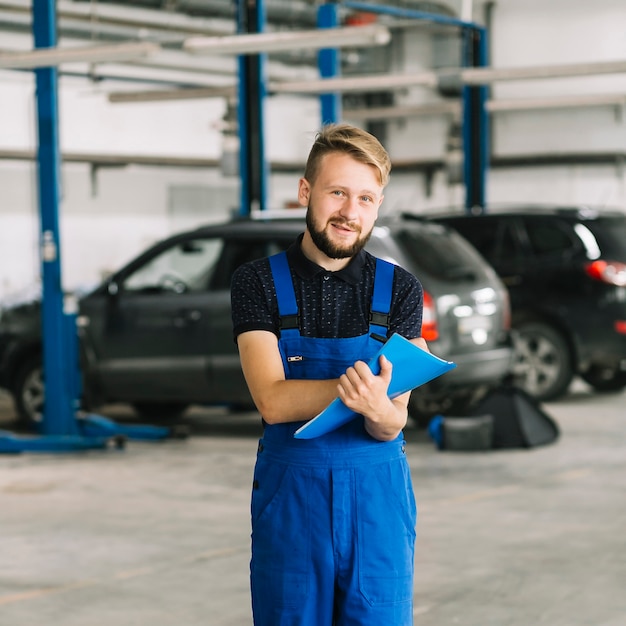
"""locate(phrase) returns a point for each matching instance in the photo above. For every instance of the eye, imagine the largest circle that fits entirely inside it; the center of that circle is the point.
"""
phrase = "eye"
(367, 199)
(337, 192)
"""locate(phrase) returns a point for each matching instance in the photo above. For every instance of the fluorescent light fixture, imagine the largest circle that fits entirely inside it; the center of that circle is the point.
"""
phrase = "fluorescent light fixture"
(401, 112)
(159, 95)
(375, 82)
(342, 37)
(487, 75)
(557, 102)
(48, 57)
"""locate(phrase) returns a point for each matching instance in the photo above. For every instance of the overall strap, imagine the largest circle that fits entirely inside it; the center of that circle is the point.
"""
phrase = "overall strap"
(381, 299)
(287, 305)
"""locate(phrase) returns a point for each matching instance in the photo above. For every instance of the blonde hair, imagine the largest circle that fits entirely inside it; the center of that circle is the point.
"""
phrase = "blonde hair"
(347, 139)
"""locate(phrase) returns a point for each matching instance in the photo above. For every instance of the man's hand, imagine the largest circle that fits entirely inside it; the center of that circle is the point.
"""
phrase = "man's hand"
(366, 393)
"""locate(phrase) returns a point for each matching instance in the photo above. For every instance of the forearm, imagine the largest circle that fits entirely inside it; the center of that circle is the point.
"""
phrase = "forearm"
(294, 400)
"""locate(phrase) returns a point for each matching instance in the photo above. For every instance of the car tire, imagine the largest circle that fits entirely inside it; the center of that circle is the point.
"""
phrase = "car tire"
(29, 393)
(604, 379)
(542, 362)
(160, 410)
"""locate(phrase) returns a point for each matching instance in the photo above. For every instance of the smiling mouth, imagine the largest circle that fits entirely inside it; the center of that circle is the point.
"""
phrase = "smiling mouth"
(344, 228)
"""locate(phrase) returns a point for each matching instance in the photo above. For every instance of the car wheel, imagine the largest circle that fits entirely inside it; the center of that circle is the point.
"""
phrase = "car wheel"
(29, 393)
(542, 363)
(160, 410)
(604, 379)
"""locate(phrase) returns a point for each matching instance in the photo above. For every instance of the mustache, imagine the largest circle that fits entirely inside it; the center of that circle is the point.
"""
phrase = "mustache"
(346, 224)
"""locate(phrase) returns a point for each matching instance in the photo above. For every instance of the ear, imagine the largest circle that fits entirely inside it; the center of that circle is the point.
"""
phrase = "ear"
(304, 192)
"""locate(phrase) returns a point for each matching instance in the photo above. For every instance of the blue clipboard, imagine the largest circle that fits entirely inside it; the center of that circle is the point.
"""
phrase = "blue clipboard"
(412, 367)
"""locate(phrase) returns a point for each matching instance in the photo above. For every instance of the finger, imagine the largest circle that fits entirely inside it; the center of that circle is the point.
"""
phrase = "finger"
(386, 368)
(362, 369)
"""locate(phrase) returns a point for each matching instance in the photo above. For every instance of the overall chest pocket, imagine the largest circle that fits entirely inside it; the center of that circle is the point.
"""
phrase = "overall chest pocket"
(318, 359)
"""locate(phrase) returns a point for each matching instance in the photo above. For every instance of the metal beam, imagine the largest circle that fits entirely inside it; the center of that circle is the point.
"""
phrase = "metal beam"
(475, 125)
(58, 412)
(253, 168)
(416, 164)
(329, 64)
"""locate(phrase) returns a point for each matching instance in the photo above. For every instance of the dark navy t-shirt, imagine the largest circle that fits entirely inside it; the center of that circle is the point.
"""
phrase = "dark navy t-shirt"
(330, 304)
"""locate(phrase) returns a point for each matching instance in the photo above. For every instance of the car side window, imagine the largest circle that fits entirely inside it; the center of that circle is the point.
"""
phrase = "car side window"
(187, 266)
(479, 233)
(234, 254)
(549, 237)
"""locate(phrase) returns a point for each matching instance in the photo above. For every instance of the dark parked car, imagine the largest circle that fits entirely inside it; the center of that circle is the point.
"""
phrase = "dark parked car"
(565, 269)
(157, 334)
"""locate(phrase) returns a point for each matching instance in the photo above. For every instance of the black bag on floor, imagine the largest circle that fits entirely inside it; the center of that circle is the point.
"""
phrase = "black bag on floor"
(519, 421)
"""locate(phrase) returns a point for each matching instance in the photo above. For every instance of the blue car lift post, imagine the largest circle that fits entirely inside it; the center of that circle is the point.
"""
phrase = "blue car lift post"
(253, 166)
(474, 97)
(62, 430)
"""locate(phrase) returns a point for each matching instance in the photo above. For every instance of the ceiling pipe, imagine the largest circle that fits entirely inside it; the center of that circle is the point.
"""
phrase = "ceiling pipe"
(485, 76)
(50, 57)
(402, 112)
(101, 13)
(288, 41)
(363, 84)
(557, 102)
(290, 12)
(160, 95)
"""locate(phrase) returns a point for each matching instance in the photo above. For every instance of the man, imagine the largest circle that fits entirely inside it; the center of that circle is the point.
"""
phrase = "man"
(333, 518)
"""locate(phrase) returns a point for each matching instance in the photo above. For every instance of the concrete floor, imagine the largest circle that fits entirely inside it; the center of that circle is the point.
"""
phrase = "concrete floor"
(158, 533)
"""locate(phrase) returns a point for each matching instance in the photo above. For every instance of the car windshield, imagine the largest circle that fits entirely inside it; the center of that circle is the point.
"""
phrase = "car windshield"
(182, 267)
(441, 252)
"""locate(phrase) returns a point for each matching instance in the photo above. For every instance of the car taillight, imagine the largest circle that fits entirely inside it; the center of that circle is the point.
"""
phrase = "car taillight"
(620, 327)
(609, 272)
(430, 330)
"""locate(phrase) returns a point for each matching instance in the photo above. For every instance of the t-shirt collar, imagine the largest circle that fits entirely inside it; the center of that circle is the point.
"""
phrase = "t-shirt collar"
(306, 269)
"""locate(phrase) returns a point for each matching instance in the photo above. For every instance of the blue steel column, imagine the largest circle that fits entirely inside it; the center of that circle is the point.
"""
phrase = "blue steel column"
(58, 417)
(475, 124)
(329, 64)
(253, 165)
(475, 119)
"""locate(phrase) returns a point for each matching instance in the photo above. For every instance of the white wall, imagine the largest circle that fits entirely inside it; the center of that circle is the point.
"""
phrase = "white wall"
(109, 216)
(536, 32)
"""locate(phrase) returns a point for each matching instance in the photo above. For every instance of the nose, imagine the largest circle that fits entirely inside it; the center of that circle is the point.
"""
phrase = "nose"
(350, 208)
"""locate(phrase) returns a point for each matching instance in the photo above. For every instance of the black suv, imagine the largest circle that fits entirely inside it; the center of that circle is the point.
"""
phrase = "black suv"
(565, 269)
(157, 334)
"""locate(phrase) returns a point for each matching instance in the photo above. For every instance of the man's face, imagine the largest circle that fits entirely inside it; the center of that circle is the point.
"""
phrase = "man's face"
(342, 203)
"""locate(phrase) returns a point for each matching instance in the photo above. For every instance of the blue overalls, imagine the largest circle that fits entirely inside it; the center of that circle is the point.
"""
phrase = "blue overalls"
(333, 518)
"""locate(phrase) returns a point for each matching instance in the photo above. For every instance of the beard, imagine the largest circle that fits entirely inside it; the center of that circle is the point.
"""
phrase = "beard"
(324, 243)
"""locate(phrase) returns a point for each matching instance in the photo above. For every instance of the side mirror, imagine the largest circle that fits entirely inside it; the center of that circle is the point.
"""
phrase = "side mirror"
(113, 288)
